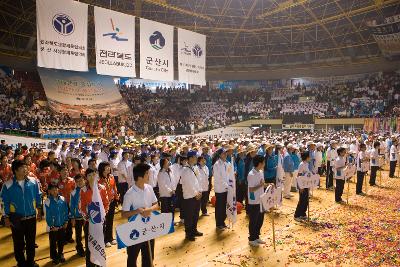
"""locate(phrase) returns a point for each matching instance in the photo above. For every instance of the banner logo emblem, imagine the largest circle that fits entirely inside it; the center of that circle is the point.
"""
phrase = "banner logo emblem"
(197, 51)
(94, 212)
(157, 40)
(134, 234)
(115, 32)
(63, 24)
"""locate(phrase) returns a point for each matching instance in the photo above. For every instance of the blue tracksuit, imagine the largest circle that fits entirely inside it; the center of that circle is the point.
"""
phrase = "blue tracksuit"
(56, 210)
(288, 164)
(21, 202)
(271, 167)
(74, 212)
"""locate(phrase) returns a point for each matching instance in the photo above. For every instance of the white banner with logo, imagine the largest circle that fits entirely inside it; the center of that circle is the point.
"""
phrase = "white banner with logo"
(97, 216)
(191, 57)
(62, 34)
(231, 205)
(270, 198)
(156, 51)
(141, 229)
(308, 181)
(115, 43)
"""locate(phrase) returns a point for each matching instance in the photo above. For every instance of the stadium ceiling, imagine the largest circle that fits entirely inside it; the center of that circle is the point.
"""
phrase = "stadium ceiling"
(240, 33)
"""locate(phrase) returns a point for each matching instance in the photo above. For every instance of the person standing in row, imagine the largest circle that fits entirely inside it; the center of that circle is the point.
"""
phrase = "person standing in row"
(393, 158)
(220, 173)
(374, 156)
(288, 167)
(65, 187)
(21, 198)
(256, 185)
(56, 211)
(340, 165)
(140, 199)
(203, 182)
(75, 215)
(302, 204)
(331, 156)
(191, 196)
(166, 187)
(361, 162)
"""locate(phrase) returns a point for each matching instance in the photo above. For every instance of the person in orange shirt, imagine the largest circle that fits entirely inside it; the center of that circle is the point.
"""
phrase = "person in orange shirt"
(107, 179)
(31, 166)
(39, 156)
(66, 185)
(85, 199)
(5, 170)
(43, 174)
(54, 176)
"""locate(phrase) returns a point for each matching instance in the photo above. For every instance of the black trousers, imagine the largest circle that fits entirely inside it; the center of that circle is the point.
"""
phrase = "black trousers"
(56, 239)
(360, 181)
(392, 169)
(122, 188)
(329, 175)
(192, 208)
(133, 253)
(320, 171)
(256, 220)
(220, 208)
(78, 235)
(167, 205)
(339, 190)
(241, 191)
(374, 170)
(24, 237)
(68, 231)
(108, 224)
(302, 205)
(179, 201)
(204, 200)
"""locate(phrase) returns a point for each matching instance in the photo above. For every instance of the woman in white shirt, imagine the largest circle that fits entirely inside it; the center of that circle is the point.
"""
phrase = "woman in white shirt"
(166, 187)
(203, 181)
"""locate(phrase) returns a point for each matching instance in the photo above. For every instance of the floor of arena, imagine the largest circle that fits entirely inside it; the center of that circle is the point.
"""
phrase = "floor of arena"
(364, 232)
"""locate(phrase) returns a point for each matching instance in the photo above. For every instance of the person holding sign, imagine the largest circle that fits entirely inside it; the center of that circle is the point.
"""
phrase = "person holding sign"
(361, 162)
(256, 183)
(340, 165)
(140, 199)
(301, 209)
(374, 155)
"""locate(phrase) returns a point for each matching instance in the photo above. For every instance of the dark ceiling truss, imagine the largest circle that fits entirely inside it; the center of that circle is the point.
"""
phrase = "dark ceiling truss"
(239, 32)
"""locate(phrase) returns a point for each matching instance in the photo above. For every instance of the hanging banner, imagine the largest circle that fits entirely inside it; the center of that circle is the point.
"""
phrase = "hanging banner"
(77, 93)
(62, 34)
(156, 51)
(141, 229)
(115, 43)
(191, 57)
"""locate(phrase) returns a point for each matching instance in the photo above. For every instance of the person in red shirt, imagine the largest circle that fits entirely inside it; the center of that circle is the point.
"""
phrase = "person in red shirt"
(39, 156)
(5, 170)
(107, 179)
(76, 168)
(84, 201)
(66, 185)
(54, 176)
(43, 174)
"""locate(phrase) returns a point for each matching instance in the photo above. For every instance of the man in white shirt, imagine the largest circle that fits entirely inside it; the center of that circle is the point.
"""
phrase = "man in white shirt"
(331, 156)
(221, 172)
(361, 163)
(140, 199)
(255, 181)
(191, 196)
(340, 165)
(125, 175)
(374, 157)
(393, 157)
(204, 183)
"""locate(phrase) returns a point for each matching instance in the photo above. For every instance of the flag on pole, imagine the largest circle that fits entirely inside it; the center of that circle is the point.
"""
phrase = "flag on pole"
(97, 216)
(231, 208)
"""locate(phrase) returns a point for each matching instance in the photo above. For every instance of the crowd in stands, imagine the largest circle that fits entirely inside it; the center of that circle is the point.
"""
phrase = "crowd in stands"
(182, 111)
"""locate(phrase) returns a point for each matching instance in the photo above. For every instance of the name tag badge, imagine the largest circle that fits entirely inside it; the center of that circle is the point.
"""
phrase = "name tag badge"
(338, 173)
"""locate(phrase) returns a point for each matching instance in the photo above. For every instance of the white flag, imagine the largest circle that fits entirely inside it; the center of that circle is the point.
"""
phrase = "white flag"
(62, 34)
(156, 51)
(97, 216)
(191, 57)
(115, 43)
(231, 208)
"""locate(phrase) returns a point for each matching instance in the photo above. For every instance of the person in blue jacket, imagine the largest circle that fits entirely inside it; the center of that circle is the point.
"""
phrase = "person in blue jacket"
(296, 161)
(21, 198)
(271, 165)
(56, 210)
(205, 154)
(75, 214)
(241, 183)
